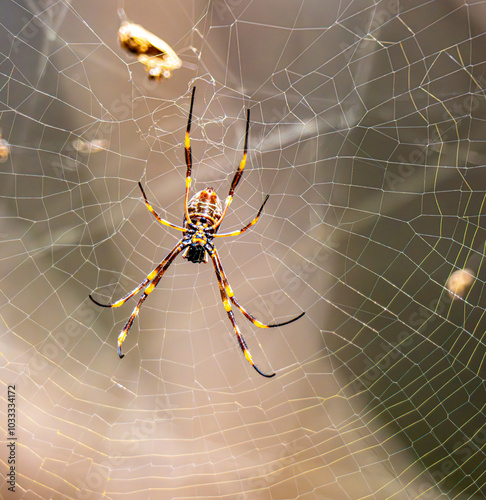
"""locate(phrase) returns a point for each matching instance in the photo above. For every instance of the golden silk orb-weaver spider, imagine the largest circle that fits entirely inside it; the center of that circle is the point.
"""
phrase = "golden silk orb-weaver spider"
(203, 215)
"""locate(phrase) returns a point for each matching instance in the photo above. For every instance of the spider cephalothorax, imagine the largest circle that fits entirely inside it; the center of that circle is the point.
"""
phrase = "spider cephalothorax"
(198, 241)
(203, 214)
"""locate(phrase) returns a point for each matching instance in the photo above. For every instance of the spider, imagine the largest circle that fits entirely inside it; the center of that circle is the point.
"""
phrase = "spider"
(203, 215)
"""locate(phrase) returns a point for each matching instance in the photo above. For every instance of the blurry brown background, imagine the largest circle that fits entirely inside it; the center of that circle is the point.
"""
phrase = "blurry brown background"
(367, 131)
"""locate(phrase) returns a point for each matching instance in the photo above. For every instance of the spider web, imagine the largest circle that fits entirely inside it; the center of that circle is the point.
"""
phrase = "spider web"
(366, 120)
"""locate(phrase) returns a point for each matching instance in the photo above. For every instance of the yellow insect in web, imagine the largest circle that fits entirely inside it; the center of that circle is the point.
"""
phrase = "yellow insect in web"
(156, 55)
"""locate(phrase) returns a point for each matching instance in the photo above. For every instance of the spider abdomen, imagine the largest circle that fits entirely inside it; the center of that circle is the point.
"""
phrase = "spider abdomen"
(205, 206)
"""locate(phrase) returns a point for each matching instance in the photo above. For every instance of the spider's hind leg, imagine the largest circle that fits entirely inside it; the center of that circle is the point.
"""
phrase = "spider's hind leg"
(238, 173)
(155, 214)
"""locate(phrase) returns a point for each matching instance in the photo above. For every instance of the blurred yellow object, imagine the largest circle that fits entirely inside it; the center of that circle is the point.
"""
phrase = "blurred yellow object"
(157, 56)
(460, 282)
(89, 147)
(4, 149)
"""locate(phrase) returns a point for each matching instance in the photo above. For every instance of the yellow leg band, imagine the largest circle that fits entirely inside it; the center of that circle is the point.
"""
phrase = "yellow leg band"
(260, 325)
(243, 162)
(121, 338)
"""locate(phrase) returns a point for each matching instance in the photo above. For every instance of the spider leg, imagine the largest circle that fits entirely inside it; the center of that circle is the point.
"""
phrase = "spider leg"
(231, 316)
(187, 145)
(155, 214)
(251, 223)
(156, 276)
(230, 294)
(121, 301)
(237, 175)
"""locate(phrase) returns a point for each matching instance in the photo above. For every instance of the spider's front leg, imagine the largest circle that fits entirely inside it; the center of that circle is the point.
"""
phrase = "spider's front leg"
(224, 297)
(231, 295)
(152, 280)
(163, 266)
